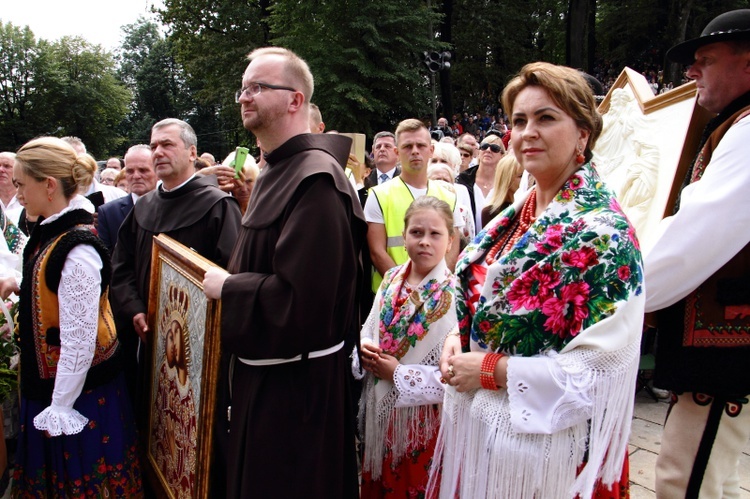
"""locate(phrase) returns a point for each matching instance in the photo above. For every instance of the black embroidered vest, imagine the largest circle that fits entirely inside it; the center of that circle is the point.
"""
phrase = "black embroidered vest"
(38, 319)
(704, 340)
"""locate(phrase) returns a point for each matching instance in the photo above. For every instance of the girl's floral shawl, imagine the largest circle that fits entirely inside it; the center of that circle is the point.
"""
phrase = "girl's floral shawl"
(575, 263)
(400, 328)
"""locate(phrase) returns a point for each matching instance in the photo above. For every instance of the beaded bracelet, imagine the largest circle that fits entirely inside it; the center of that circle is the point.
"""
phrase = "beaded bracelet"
(487, 371)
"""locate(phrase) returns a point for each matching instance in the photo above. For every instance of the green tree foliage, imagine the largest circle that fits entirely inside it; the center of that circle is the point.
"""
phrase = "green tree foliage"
(62, 88)
(149, 70)
(83, 95)
(210, 39)
(19, 67)
(493, 41)
(366, 57)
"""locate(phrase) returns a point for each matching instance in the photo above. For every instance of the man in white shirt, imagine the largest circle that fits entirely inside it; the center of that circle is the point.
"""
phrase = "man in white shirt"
(10, 205)
(697, 277)
(387, 203)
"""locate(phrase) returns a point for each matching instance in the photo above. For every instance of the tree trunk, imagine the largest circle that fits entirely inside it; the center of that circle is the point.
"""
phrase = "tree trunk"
(575, 47)
(591, 32)
(683, 8)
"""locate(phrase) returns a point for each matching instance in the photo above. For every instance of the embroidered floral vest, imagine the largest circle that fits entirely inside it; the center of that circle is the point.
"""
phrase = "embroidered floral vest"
(704, 341)
(39, 318)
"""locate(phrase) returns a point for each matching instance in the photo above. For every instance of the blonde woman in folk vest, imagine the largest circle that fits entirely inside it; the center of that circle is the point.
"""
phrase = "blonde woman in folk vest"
(401, 341)
(77, 434)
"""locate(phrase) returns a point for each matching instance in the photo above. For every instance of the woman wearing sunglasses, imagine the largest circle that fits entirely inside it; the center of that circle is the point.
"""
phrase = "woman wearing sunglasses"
(479, 179)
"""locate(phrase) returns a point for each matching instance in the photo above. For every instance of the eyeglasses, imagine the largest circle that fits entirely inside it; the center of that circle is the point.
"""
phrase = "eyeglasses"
(255, 88)
(465, 154)
(492, 147)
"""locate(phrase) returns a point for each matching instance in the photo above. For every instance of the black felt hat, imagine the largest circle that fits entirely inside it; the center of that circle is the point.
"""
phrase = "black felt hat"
(732, 25)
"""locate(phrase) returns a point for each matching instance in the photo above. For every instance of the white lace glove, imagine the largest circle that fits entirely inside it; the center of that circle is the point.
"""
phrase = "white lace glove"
(418, 385)
(78, 296)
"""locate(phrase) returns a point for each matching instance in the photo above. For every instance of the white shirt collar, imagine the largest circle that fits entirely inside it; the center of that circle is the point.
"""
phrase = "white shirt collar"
(78, 202)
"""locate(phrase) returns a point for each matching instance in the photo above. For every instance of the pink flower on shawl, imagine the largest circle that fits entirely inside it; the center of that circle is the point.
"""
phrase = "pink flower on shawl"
(633, 237)
(581, 259)
(533, 288)
(416, 329)
(566, 194)
(614, 205)
(575, 227)
(623, 272)
(551, 241)
(387, 343)
(485, 326)
(576, 181)
(565, 315)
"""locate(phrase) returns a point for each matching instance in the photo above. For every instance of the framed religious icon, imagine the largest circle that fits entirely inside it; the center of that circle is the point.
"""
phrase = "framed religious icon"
(183, 372)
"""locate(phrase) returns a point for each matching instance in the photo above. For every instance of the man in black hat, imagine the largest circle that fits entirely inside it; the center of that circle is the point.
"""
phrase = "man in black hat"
(698, 278)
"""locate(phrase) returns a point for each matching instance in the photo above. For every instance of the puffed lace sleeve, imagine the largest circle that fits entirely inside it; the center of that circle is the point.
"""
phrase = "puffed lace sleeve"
(418, 385)
(546, 397)
(78, 296)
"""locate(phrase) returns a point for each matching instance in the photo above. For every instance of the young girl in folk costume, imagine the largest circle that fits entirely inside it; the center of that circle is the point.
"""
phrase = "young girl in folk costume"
(401, 342)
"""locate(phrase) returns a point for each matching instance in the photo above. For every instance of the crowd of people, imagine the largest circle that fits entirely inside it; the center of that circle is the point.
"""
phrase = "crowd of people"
(456, 314)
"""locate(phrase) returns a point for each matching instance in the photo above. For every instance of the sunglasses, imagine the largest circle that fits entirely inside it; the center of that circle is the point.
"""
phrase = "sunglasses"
(492, 147)
(465, 154)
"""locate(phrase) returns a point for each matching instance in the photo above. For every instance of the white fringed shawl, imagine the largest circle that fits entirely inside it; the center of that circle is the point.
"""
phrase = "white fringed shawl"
(430, 307)
(567, 305)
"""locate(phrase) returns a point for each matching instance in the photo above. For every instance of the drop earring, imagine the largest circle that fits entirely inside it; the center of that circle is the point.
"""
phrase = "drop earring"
(580, 158)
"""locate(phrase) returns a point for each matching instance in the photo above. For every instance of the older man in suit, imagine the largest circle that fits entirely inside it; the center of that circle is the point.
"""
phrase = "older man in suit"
(386, 158)
(139, 171)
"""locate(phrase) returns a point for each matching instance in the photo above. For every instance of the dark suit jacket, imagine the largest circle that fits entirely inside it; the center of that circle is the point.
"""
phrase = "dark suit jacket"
(371, 181)
(111, 216)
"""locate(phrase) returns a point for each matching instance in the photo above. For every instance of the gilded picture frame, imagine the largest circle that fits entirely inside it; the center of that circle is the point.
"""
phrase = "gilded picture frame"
(183, 371)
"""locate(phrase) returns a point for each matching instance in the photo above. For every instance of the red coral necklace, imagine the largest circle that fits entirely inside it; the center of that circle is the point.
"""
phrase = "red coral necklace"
(514, 234)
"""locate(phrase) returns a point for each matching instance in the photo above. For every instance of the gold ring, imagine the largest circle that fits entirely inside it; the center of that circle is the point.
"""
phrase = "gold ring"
(450, 371)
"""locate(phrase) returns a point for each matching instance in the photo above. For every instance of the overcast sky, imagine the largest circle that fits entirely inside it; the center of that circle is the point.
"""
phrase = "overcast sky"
(98, 21)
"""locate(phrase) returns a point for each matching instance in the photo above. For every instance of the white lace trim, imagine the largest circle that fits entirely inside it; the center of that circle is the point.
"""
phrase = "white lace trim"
(409, 425)
(418, 385)
(60, 420)
(484, 454)
(78, 298)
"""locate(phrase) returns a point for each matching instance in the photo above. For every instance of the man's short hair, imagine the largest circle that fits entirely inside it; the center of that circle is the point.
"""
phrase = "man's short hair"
(380, 135)
(138, 147)
(295, 66)
(410, 125)
(187, 134)
(76, 143)
(315, 114)
(8, 154)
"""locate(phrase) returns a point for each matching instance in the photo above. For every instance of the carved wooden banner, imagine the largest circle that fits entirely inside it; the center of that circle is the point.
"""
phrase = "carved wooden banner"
(647, 144)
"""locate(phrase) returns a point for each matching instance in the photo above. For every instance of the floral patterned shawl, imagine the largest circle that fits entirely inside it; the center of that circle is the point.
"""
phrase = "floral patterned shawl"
(570, 292)
(414, 333)
(569, 271)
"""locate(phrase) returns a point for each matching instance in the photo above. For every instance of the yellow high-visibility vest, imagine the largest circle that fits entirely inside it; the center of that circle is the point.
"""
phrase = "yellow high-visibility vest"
(394, 198)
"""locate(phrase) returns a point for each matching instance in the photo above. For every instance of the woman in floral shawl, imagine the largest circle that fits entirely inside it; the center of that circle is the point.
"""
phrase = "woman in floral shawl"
(550, 304)
(401, 343)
